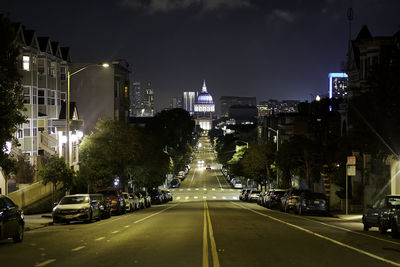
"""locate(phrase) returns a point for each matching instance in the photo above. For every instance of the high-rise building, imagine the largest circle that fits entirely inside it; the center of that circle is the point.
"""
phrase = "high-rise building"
(228, 101)
(189, 99)
(176, 102)
(337, 85)
(148, 101)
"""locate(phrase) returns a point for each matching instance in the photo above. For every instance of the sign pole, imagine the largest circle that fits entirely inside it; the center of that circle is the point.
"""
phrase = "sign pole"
(347, 192)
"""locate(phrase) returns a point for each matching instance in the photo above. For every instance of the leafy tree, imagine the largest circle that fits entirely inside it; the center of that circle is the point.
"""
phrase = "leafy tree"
(108, 153)
(25, 172)
(56, 171)
(11, 91)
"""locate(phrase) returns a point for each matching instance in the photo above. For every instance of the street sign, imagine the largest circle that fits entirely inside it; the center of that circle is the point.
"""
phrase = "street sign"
(351, 160)
(351, 170)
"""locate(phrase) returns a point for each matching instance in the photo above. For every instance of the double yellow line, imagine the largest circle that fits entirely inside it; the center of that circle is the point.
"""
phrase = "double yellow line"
(208, 231)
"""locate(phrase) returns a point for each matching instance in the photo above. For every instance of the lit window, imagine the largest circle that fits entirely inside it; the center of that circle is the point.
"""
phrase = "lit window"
(27, 95)
(25, 63)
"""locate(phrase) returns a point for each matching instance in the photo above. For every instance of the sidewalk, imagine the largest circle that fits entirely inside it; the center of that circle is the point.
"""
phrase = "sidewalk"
(350, 217)
(36, 221)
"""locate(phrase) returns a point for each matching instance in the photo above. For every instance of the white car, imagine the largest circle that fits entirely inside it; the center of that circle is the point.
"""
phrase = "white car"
(80, 207)
(237, 184)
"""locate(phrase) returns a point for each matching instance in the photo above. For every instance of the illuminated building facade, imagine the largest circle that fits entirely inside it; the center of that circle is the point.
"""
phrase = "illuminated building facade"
(337, 85)
(204, 109)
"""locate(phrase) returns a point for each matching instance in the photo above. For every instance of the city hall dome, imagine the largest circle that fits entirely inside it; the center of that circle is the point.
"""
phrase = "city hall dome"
(204, 97)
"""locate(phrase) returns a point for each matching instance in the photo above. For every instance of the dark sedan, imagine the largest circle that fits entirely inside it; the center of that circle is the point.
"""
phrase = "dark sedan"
(380, 214)
(311, 202)
(11, 220)
(157, 197)
(273, 198)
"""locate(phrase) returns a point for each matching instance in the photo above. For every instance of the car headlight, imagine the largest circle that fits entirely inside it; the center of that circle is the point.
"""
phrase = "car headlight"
(55, 209)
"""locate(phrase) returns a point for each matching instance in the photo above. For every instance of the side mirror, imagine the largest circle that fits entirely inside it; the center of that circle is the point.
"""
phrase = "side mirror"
(55, 204)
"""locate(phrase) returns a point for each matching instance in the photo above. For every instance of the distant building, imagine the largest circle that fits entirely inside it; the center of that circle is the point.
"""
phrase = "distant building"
(204, 109)
(228, 101)
(337, 85)
(176, 102)
(148, 101)
(272, 106)
(189, 98)
(101, 92)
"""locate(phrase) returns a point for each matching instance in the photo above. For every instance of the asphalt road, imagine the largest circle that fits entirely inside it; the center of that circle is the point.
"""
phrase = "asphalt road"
(205, 225)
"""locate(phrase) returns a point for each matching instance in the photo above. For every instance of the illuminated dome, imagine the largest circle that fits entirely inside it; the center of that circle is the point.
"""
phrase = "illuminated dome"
(204, 97)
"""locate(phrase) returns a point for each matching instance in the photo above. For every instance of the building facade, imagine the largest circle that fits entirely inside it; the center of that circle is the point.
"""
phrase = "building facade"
(228, 101)
(337, 85)
(101, 93)
(189, 98)
(204, 109)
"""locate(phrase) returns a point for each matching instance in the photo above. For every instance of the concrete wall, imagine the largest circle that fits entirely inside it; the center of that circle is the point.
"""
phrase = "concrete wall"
(30, 194)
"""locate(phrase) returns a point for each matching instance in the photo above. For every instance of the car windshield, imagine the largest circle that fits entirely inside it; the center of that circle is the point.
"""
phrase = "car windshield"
(74, 200)
(394, 201)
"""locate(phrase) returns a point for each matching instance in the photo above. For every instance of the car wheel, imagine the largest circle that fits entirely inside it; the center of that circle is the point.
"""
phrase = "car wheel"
(19, 234)
(366, 226)
(395, 231)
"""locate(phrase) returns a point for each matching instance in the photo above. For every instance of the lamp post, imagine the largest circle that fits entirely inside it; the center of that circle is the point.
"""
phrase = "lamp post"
(277, 149)
(104, 65)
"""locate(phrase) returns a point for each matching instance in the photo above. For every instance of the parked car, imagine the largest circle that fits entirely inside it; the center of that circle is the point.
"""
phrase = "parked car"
(79, 207)
(157, 197)
(147, 198)
(311, 202)
(135, 200)
(104, 205)
(237, 184)
(141, 200)
(11, 220)
(167, 195)
(253, 195)
(116, 198)
(260, 199)
(243, 194)
(129, 202)
(380, 214)
(208, 167)
(175, 183)
(395, 223)
(289, 199)
(273, 198)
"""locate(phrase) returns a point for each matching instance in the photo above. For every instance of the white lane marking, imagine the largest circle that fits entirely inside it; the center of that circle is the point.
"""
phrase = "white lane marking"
(126, 226)
(45, 263)
(109, 220)
(231, 190)
(197, 189)
(204, 197)
(214, 197)
(191, 181)
(186, 197)
(100, 238)
(223, 197)
(154, 214)
(234, 197)
(222, 189)
(322, 236)
(114, 232)
(213, 189)
(196, 197)
(78, 248)
(220, 186)
(205, 189)
(345, 229)
(180, 189)
(188, 189)
(178, 198)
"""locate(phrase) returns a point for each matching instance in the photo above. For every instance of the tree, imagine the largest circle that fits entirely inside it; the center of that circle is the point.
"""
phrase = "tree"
(56, 171)
(11, 91)
(25, 172)
(109, 152)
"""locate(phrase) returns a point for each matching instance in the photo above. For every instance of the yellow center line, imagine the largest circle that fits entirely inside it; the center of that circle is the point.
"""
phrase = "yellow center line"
(212, 240)
(205, 239)
(322, 236)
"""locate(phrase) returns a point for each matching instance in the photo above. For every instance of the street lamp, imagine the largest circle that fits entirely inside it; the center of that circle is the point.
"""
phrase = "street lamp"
(277, 149)
(104, 65)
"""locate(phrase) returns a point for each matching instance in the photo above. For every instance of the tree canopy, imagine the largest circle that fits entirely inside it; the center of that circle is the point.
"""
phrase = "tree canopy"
(11, 91)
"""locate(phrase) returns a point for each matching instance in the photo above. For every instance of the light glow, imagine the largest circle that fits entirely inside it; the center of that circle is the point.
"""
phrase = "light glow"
(106, 65)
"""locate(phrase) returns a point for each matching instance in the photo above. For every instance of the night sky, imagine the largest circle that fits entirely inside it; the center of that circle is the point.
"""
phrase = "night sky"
(268, 49)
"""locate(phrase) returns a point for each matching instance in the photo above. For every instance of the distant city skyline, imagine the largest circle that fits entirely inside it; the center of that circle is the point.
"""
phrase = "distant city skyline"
(269, 50)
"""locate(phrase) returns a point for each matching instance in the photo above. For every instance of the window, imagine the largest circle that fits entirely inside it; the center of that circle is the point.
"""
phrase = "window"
(58, 98)
(63, 73)
(34, 132)
(34, 96)
(51, 97)
(26, 63)
(41, 97)
(41, 66)
(27, 95)
(20, 134)
(63, 96)
(27, 132)
(53, 69)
